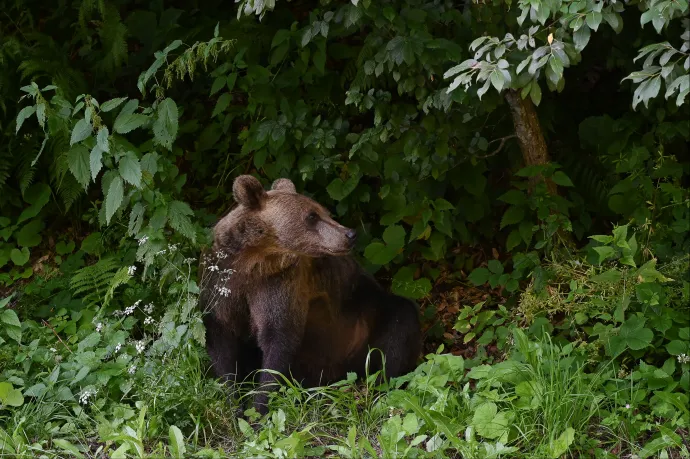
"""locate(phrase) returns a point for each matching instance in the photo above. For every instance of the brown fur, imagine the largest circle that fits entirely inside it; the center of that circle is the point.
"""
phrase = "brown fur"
(297, 301)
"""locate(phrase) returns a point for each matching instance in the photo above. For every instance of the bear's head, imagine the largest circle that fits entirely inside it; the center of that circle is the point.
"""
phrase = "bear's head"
(281, 222)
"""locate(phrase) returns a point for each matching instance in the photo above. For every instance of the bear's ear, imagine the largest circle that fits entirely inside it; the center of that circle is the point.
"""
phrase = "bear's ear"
(248, 191)
(283, 184)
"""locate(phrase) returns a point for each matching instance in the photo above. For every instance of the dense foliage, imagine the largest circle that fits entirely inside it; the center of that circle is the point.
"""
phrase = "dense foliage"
(542, 226)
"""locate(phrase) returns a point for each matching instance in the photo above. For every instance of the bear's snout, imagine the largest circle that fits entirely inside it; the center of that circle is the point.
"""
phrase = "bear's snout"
(351, 236)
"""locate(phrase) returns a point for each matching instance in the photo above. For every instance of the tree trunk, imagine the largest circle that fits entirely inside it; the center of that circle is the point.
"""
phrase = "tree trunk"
(529, 134)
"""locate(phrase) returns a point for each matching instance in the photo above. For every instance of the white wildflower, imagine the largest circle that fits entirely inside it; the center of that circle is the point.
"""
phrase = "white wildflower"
(172, 247)
(143, 240)
(129, 310)
(118, 347)
(684, 358)
(148, 309)
(84, 397)
(627, 406)
(131, 270)
(52, 349)
(140, 347)
(99, 327)
(132, 369)
(213, 268)
(223, 291)
(148, 320)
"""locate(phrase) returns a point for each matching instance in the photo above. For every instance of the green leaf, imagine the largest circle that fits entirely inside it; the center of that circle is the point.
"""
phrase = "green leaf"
(514, 239)
(678, 347)
(339, 189)
(561, 445)
(232, 78)
(136, 219)
(178, 217)
(23, 115)
(67, 446)
(497, 80)
(280, 37)
(80, 132)
(9, 317)
(177, 445)
(9, 396)
(604, 252)
(515, 197)
(41, 114)
(102, 139)
(614, 20)
(218, 84)
(648, 272)
(64, 248)
(646, 91)
(405, 285)
(37, 195)
(483, 90)
(593, 20)
(20, 257)
(634, 334)
(535, 93)
(442, 204)
(30, 234)
(37, 390)
(78, 162)
(561, 179)
(479, 276)
(130, 169)
(495, 266)
(222, 103)
(394, 236)
(604, 239)
(114, 197)
(129, 122)
(166, 124)
(608, 277)
(489, 422)
(96, 161)
(581, 37)
(514, 214)
(379, 254)
(526, 230)
(112, 104)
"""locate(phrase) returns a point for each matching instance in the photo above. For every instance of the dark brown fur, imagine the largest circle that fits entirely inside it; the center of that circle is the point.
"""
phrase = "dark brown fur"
(298, 302)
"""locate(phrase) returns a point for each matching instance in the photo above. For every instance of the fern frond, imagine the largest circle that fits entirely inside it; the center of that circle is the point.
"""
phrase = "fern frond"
(113, 35)
(70, 191)
(25, 172)
(120, 278)
(93, 282)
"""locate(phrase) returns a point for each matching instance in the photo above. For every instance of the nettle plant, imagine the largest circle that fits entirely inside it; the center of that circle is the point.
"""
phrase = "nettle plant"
(131, 178)
(139, 181)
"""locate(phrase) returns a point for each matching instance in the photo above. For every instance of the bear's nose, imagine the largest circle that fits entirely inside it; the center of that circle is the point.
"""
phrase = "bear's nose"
(351, 235)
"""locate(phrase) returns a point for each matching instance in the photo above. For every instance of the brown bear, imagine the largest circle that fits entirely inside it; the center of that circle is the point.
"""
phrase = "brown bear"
(285, 294)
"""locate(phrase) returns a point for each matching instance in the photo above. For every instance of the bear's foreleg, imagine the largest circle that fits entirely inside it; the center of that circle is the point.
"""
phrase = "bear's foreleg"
(398, 335)
(223, 348)
(280, 319)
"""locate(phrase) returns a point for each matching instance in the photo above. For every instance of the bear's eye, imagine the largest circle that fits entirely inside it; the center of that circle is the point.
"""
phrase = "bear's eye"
(311, 218)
